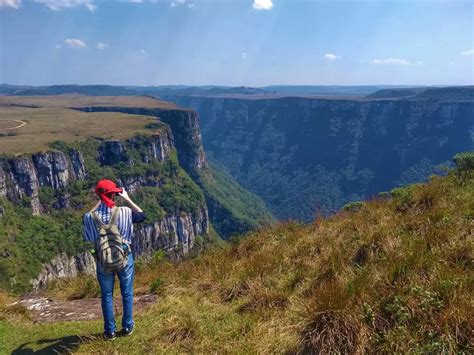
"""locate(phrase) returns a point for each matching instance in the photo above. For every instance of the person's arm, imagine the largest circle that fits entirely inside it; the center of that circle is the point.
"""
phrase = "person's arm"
(138, 215)
(88, 228)
(129, 201)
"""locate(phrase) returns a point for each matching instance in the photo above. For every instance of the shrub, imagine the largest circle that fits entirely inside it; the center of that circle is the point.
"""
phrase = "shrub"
(153, 125)
(159, 256)
(464, 166)
(8, 134)
(155, 285)
(353, 206)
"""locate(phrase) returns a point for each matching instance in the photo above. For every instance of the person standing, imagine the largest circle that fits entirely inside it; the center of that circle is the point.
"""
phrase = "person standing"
(110, 228)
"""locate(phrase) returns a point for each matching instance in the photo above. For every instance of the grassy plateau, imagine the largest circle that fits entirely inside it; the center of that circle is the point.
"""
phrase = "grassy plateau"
(391, 275)
(49, 119)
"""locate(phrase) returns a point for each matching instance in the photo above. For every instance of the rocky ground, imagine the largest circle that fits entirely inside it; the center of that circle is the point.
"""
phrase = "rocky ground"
(43, 309)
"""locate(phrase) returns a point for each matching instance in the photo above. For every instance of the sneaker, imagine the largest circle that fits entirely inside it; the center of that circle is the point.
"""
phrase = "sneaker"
(109, 336)
(127, 331)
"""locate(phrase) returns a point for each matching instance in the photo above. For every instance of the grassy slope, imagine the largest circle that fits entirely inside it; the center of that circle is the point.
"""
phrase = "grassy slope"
(232, 209)
(394, 276)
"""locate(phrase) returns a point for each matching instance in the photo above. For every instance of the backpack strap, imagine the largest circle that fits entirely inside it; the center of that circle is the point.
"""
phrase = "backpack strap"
(113, 217)
(98, 222)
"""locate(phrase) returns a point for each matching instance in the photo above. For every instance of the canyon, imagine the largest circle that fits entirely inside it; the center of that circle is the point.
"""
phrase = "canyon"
(305, 156)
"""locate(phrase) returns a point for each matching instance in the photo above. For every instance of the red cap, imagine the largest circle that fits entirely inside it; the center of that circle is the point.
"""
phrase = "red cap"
(107, 186)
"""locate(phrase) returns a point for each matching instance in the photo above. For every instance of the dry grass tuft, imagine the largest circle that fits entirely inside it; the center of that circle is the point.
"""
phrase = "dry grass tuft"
(332, 332)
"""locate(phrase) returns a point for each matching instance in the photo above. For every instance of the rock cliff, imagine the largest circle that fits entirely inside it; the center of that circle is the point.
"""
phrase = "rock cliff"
(24, 176)
(185, 127)
(64, 266)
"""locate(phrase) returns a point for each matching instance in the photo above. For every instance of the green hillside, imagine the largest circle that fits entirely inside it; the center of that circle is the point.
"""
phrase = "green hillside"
(232, 209)
(392, 275)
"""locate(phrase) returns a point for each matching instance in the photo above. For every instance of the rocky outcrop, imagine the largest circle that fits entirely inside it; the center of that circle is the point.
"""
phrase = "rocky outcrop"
(155, 149)
(24, 182)
(64, 266)
(174, 234)
(113, 152)
(77, 162)
(52, 169)
(184, 126)
(24, 176)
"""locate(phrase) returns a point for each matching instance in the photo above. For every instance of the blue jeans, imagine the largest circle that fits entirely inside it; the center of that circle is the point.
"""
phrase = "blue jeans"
(106, 282)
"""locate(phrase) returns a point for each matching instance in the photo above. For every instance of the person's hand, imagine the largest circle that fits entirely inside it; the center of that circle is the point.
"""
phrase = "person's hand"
(124, 195)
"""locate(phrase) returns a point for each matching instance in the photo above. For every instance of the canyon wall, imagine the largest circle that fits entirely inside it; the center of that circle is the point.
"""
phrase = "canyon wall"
(305, 156)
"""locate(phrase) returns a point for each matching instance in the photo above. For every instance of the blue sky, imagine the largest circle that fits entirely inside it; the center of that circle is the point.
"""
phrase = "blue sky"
(236, 42)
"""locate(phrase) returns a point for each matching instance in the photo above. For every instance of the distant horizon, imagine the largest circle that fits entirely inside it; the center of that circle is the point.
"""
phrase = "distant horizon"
(254, 43)
(246, 86)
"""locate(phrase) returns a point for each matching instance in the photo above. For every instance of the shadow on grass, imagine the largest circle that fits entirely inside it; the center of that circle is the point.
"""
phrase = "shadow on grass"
(64, 345)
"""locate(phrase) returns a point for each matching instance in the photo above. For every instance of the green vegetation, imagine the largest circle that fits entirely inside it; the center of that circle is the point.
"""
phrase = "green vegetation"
(232, 209)
(29, 241)
(153, 125)
(353, 206)
(464, 166)
(395, 276)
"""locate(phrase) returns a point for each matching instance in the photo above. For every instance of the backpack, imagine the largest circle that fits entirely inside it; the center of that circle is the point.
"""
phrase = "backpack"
(109, 247)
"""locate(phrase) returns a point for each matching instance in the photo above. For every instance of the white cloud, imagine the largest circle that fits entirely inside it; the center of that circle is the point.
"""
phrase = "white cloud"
(394, 61)
(57, 5)
(75, 43)
(262, 4)
(330, 57)
(10, 3)
(469, 52)
(101, 46)
(175, 3)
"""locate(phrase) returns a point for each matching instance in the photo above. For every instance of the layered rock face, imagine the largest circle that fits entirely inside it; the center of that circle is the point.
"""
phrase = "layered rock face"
(24, 176)
(64, 266)
(174, 234)
(304, 156)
